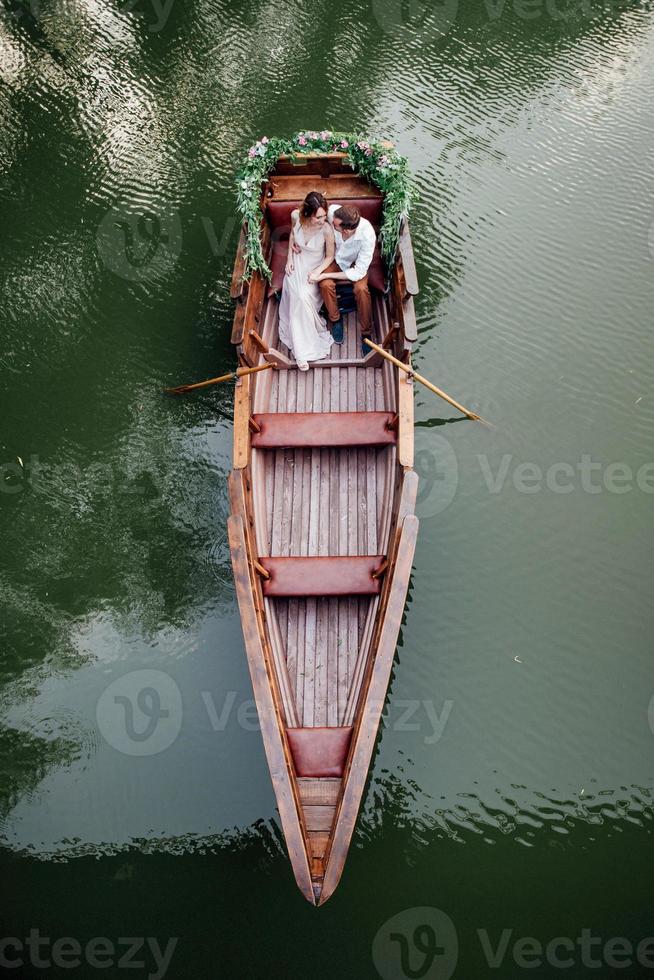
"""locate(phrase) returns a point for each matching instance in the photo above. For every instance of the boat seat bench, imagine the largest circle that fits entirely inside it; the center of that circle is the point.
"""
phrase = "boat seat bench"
(319, 752)
(305, 430)
(323, 575)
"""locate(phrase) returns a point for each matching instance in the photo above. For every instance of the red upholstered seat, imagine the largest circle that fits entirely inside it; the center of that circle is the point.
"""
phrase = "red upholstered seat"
(319, 752)
(299, 430)
(321, 575)
(279, 212)
(279, 219)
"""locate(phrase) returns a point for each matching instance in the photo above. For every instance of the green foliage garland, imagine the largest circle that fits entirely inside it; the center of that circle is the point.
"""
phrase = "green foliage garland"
(379, 164)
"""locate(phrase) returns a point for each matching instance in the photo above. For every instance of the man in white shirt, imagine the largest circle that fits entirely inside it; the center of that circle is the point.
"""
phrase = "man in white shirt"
(355, 244)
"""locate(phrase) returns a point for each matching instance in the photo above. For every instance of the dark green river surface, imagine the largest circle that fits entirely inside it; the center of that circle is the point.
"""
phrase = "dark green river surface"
(511, 794)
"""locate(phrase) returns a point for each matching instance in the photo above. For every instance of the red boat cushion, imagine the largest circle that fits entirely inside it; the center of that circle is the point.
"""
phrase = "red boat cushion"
(279, 212)
(297, 430)
(319, 752)
(321, 575)
(279, 219)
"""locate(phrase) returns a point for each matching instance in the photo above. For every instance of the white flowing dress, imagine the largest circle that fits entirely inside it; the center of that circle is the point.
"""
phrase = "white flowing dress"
(300, 326)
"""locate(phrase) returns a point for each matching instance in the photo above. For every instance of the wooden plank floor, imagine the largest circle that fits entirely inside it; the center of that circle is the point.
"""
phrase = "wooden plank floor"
(323, 502)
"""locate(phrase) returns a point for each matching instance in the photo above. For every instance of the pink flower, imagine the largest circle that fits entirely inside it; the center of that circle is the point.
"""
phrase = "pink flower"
(313, 134)
(264, 140)
(368, 152)
(302, 140)
(344, 144)
(326, 133)
(252, 152)
(384, 160)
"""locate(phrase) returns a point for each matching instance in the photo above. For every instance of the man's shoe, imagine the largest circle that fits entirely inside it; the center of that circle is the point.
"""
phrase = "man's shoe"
(365, 350)
(337, 331)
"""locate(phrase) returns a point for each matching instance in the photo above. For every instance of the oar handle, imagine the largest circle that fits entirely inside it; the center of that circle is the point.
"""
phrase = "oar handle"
(239, 373)
(437, 391)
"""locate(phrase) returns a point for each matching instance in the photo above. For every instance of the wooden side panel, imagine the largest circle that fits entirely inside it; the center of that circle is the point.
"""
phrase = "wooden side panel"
(249, 314)
(271, 728)
(409, 320)
(405, 412)
(408, 496)
(254, 317)
(369, 716)
(237, 286)
(241, 422)
(239, 322)
(403, 314)
(408, 260)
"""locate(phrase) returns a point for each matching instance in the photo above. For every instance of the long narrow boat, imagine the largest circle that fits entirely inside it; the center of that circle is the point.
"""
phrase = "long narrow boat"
(322, 528)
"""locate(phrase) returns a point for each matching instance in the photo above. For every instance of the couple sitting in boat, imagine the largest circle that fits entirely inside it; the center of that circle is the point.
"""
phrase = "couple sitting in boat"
(328, 244)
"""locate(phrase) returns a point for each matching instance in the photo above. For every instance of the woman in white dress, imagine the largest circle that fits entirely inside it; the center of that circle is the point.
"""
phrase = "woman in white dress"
(310, 251)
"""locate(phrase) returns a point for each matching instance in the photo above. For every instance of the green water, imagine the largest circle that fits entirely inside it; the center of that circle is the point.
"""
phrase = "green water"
(512, 783)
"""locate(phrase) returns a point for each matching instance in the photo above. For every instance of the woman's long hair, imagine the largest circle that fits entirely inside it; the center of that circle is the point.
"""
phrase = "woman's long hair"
(312, 202)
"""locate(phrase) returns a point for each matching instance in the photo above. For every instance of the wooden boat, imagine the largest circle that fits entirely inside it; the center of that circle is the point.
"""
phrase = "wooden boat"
(322, 528)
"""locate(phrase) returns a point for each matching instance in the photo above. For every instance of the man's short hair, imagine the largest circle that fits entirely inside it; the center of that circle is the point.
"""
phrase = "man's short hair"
(348, 215)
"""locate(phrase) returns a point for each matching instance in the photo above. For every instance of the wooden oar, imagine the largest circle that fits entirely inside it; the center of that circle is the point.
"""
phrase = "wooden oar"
(423, 381)
(239, 373)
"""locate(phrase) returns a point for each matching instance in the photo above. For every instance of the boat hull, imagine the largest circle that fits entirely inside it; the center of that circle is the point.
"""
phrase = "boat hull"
(329, 510)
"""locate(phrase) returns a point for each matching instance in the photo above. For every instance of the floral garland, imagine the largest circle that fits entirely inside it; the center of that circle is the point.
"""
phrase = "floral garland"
(378, 163)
